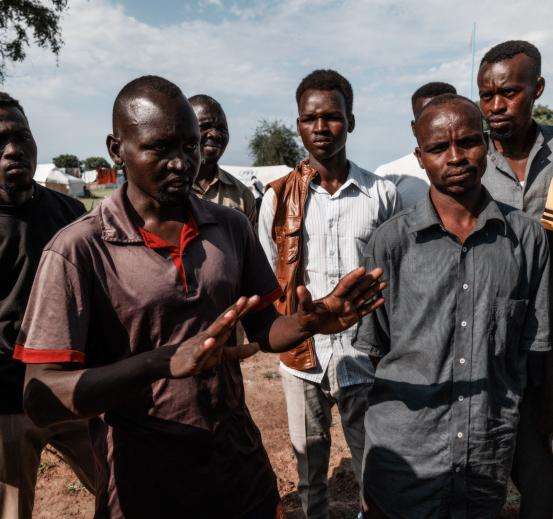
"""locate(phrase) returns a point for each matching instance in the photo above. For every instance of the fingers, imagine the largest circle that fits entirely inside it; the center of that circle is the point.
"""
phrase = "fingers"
(223, 323)
(205, 350)
(369, 294)
(305, 301)
(356, 277)
(241, 352)
(368, 308)
(229, 317)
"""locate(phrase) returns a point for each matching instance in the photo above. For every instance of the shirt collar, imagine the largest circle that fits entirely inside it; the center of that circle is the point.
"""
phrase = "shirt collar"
(424, 215)
(355, 178)
(221, 176)
(120, 222)
(225, 177)
(501, 162)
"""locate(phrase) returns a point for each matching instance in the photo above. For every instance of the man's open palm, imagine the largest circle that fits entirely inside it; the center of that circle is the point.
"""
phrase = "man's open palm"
(355, 295)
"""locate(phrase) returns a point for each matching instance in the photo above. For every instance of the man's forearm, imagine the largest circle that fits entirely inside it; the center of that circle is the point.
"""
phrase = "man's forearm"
(53, 393)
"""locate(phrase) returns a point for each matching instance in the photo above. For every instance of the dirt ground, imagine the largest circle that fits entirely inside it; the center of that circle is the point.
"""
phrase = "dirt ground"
(60, 495)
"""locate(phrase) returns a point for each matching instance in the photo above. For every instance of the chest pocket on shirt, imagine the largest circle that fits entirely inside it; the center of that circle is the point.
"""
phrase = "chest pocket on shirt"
(507, 318)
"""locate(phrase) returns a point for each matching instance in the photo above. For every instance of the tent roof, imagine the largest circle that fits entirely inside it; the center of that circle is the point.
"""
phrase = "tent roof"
(90, 176)
(49, 173)
(257, 177)
(42, 172)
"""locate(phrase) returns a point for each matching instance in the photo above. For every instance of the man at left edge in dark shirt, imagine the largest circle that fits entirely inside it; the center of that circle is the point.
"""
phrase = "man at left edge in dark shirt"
(467, 300)
(29, 216)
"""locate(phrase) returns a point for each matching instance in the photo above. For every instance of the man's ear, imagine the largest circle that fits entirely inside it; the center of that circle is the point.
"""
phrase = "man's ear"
(413, 127)
(351, 123)
(114, 149)
(418, 155)
(540, 87)
(298, 125)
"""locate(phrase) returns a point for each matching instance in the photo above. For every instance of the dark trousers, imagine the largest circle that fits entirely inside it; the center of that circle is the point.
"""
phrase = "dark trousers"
(271, 508)
(532, 471)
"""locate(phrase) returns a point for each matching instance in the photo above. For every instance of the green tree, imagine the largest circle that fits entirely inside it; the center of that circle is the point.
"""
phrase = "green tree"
(273, 143)
(95, 162)
(66, 161)
(21, 20)
(543, 115)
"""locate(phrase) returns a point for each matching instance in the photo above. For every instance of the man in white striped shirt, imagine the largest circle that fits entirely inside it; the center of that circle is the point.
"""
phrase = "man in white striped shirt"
(339, 206)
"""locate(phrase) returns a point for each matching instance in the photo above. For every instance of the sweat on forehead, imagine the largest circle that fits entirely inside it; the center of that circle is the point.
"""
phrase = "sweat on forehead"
(449, 100)
(144, 87)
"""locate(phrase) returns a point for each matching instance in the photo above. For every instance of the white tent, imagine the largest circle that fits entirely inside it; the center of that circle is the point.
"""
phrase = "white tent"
(50, 176)
(257, 178)
(90, 176)
(42, 172)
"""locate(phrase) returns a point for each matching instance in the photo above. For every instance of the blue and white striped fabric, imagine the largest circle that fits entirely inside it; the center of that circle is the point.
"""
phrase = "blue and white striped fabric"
(336, 229)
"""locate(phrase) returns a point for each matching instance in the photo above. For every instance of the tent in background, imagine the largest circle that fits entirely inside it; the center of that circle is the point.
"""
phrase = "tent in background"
(49, 176)
(257, 177)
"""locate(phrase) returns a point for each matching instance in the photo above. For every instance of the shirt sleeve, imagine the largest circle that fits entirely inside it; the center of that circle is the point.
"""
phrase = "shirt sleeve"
(250, 208)
(373, 335)
(537, 326)
(257, 275)
(265, 230)
(390, 201)
(55, 325)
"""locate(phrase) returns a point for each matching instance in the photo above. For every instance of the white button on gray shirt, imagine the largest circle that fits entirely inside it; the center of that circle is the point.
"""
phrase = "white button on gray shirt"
(336, 229)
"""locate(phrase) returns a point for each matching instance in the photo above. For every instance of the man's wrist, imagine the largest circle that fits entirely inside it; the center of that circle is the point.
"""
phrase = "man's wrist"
(157, 363)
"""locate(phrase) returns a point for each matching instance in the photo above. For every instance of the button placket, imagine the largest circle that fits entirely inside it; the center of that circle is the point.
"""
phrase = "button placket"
(464, 318)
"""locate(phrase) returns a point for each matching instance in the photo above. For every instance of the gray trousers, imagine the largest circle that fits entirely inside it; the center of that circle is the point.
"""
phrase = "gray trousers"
(21, 443)
(533, 462)
(309, 419)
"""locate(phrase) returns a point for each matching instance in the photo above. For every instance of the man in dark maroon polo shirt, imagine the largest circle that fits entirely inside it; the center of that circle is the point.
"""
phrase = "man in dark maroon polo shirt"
(127, 320)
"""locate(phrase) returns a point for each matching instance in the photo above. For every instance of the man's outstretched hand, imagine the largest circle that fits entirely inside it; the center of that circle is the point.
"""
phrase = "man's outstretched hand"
(355, 295)
(207, 348)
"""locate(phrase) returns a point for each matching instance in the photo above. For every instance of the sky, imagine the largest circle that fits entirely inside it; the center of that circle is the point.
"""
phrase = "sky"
(251, 55)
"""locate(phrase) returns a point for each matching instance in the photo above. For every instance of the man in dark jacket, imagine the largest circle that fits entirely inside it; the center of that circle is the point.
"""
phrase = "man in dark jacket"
(29, 216)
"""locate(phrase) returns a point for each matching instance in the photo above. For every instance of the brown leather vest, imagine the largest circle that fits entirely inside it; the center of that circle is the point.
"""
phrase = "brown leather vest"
(291, 193)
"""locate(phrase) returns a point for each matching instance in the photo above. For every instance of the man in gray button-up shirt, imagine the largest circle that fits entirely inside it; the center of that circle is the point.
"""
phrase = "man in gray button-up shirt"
(466, 300)
(520, 169)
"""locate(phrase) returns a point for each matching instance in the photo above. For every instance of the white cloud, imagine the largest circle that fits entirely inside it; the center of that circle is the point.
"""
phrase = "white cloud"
(252, 59)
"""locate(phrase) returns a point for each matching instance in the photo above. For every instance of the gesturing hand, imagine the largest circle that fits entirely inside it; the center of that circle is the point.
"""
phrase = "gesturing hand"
(355, 295)
(207, 348)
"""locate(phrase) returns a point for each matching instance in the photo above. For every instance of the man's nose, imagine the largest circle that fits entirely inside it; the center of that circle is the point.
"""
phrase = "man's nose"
(320, 125)
(498, 104)
(213, 133)
(178, 163)
(456, 154)
(11, 150)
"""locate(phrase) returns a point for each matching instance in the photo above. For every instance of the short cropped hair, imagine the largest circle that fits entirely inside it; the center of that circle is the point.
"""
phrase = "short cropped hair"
(449, 98)
(436, 88)
(7, 101)
(137, 87)
(327, 80)
(204, 99)
(509, 49)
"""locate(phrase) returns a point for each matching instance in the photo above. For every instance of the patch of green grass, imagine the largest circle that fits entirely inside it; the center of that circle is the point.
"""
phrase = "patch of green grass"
(97, 196)
(45, 466)
(75, 487)
(271, 375)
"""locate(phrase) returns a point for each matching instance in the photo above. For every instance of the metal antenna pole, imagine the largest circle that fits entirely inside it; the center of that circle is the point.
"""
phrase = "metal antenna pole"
(472, 65)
